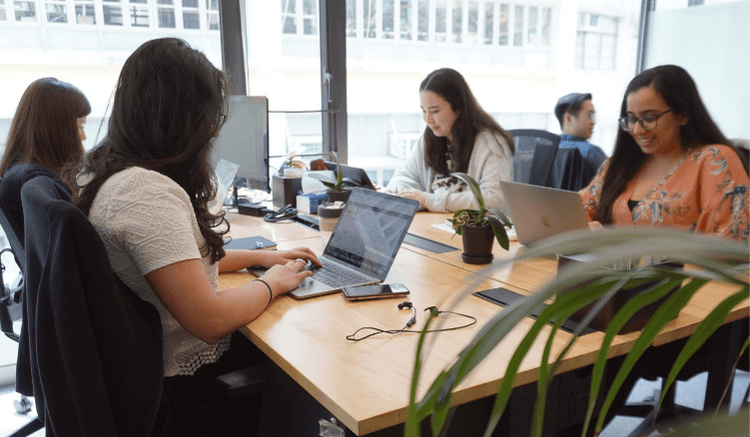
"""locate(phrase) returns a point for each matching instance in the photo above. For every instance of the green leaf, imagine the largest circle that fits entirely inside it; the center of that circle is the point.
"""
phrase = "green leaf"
(474, 187)
(661, 317)
(499, 230)
(707, 327)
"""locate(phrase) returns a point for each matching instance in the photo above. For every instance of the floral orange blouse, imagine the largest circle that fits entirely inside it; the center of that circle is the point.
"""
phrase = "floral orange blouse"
(708, 193)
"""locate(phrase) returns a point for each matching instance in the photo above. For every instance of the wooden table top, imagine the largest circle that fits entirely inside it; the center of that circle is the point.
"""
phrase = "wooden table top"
(366, 384)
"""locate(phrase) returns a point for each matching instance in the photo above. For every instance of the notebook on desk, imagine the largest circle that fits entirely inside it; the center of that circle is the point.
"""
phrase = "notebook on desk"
(539, 212)
(363, 244)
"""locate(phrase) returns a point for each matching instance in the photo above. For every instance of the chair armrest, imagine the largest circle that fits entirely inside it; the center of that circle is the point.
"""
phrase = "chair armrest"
(253, 379)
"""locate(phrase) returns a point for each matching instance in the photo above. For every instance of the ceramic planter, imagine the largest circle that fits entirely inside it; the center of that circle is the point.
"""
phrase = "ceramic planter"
(478, 241)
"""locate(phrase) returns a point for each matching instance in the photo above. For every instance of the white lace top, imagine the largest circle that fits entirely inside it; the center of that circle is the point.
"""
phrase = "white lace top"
(147, 222)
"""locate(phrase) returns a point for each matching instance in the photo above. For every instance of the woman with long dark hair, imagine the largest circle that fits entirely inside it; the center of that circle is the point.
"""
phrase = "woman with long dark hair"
(671, 165)
(460, 137)
(45, 139)
(147, 186)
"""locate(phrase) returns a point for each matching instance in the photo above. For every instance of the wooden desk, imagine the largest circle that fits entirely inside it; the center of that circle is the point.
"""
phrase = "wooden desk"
(365, 385)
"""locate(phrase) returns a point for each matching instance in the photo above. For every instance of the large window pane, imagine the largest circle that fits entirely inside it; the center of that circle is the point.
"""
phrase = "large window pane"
(25, 11)
(85, 13)
(489, 16)
(518, 26)
(57, 12)
(503, 39)
(388, 28)
(406, 19)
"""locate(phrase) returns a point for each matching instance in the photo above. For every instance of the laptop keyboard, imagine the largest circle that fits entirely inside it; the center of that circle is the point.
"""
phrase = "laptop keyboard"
(336, 276)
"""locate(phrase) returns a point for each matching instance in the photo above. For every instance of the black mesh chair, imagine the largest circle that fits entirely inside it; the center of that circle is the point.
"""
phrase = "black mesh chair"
(540, 161)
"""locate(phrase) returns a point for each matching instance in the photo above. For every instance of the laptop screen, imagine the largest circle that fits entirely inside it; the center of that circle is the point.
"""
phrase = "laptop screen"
(225, 173)
(370, 230)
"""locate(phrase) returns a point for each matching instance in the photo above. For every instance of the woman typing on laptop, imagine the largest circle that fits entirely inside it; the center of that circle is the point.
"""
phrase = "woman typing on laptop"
(671, 165)
(460, 137)
(148, 186)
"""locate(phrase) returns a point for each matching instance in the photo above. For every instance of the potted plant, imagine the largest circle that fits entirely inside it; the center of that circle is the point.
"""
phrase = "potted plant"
(710, 259)
(479, 228)
(336, 192)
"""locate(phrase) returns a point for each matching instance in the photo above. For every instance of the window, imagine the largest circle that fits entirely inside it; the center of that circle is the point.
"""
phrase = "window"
(212, 14)
(351, 19)
(441, 16)
(3, 14)
(294, 12)
(85, 13)
(57, 11)
(504, 24)
(138, 14)
(458, 10)
(112, 13)
(190, 15)
(489, 13)
(518, 26)
(165, 14)
(25, 10)
(388, 11)
(596, 42)
(406, 17)
(370, 18)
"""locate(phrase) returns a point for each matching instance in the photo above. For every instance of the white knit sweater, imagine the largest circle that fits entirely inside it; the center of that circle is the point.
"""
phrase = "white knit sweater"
(491, 162)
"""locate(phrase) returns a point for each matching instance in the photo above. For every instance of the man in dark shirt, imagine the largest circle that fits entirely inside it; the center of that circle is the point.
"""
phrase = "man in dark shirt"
(577, 118)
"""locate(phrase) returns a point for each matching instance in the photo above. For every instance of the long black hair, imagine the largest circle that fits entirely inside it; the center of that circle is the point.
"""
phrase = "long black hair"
(168, 106)
(679, 92)
(44, 130)
(451, 86)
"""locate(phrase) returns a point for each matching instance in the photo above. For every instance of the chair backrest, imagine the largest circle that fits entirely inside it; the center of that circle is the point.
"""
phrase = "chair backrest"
(10, 296)
(535, 153)
(90, 350)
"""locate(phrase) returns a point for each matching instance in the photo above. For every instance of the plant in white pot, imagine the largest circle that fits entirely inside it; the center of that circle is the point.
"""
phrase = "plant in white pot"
(479, 228)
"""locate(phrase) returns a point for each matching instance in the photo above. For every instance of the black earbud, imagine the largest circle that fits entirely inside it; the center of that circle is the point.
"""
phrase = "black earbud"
(409, 305)
(405, 304)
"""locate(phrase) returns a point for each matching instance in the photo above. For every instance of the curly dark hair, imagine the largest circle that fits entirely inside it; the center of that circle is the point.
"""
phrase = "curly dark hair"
(451, 86)
(168, 106)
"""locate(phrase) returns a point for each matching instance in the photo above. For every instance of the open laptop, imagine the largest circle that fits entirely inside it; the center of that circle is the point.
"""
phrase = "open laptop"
(225, 173)
(539, 212)
(363, 244)
(352, 176)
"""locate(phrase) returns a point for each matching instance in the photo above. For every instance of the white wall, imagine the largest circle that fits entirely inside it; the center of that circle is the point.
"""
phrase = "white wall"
(712, 43)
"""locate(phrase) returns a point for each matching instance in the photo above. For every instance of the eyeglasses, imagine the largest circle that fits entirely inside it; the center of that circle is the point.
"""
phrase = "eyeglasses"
(647, 121)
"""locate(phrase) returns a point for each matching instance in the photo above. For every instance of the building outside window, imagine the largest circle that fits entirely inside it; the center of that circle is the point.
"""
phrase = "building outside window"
(596, 42)
(25, 10)
(85, 12)
(57, 11)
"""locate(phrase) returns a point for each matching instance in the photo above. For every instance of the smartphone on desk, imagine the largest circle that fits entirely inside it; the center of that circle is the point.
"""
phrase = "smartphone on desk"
(378, 291)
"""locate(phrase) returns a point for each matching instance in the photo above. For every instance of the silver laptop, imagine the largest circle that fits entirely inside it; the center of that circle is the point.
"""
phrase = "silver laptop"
(539, 212)
(225, 173)
(363, 244)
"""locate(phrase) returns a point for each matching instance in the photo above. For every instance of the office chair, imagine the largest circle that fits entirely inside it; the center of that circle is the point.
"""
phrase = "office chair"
(540, 161)
(90, 350)
(716, 357)
(10, 312)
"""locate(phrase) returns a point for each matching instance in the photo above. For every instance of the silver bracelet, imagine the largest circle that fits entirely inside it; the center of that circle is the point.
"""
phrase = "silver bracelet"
(270, 293)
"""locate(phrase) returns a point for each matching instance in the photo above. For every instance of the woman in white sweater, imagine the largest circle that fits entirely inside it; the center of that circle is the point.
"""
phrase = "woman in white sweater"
(460, 137)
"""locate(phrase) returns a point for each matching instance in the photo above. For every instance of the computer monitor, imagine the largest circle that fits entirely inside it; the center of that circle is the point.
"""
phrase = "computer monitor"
(244, 140)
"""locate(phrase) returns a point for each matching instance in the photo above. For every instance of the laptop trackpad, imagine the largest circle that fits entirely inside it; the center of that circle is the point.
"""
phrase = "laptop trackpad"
(309, 287)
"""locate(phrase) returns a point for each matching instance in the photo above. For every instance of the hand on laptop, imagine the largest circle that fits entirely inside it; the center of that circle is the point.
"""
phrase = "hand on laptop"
(283, 278)
(272, 258)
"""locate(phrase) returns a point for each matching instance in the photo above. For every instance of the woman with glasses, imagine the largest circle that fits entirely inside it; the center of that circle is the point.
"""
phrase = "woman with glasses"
(671, 165)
